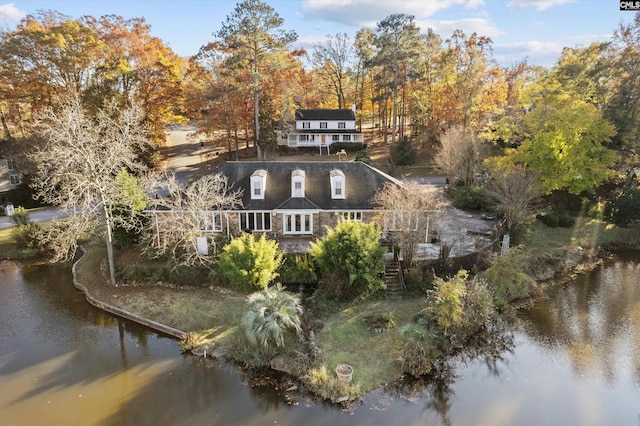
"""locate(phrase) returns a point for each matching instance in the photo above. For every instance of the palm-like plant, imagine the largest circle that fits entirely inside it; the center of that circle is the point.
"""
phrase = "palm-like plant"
(272, 311)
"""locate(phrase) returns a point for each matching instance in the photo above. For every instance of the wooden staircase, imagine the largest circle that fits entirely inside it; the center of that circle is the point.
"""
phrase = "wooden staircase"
(393, 279)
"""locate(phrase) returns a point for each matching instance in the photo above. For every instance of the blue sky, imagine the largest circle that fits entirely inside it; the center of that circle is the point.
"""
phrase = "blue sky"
(532, 29)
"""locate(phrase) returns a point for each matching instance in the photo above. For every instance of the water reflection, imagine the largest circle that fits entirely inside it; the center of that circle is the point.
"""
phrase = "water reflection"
(573, 359)
(437, 393)
(595, 319)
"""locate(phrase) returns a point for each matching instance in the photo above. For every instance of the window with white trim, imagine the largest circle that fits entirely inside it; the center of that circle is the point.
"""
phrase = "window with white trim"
(209, 221)
(297, 183)
(342, 125)
(258, 183)
(335, 138)
(351, 215)
(306, 124)
(255, 221)
(346, 138)
(338, 188)
(323, 124)
(297, 223)
(303, 138)
(14, 179)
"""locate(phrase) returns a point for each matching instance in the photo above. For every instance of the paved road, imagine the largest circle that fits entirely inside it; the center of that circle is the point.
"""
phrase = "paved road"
(185, 156)
(42, 215)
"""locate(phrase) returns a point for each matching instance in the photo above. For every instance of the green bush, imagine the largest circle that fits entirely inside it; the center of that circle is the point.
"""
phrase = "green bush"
(446, 301)
(251, 357)
(20, 217)
(519, 232)
(624, 207)
(479, 308)
(323, 304)
(297, 269)
(27, 236)
(505, 279)
(132, 274)
(404, 154)
(419, 351)
(349, 259)
(188, 276)
(418, 280)
(250, 265)
(363, 155)
(327, 386)
(183, 276)
(557, 219)
(470, 197)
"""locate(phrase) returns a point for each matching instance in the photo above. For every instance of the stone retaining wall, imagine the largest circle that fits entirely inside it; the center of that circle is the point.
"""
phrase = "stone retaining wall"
(165, 329)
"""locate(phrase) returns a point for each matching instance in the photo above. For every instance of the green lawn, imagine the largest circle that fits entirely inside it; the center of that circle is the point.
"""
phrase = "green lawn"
(346, 340)
(8, 248)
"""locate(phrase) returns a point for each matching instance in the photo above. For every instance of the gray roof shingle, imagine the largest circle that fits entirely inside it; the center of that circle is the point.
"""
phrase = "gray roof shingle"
(325, 114)
(361, 184)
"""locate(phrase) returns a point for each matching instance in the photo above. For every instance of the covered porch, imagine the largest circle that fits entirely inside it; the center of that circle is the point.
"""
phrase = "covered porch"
(320, 140)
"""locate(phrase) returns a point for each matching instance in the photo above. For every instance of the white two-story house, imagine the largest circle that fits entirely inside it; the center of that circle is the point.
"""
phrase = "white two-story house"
(323, 127)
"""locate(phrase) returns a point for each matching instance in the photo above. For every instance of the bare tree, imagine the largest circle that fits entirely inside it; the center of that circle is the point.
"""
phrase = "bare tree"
(459, 155)
(184, 213)
(332, 60)
(410, 210)
(79, 165)
(514, 190)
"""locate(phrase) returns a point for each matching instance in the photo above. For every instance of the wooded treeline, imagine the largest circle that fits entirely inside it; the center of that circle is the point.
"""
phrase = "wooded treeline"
(568, 123)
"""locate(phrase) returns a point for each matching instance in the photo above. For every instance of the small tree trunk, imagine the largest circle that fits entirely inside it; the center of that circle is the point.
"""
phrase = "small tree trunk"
(4, 123)
(20, 119)
(235, 138)
(112, 265)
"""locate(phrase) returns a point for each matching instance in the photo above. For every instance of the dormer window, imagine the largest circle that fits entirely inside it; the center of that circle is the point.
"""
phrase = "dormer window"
(342, 125)
(306, 124)
(297, 183)
(323, 124)
(258, 184)
(338, 188)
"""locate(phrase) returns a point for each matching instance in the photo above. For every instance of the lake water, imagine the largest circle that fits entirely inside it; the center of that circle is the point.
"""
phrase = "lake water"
(573, 359)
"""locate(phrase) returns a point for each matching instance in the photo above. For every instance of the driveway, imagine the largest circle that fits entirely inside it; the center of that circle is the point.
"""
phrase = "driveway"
(185, 154)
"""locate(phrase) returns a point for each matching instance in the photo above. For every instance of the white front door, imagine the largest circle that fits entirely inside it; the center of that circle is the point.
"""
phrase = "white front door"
(298, 224)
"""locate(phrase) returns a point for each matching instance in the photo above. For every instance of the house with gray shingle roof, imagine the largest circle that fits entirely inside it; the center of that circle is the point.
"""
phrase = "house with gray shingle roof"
(322, 128)
(301, 198)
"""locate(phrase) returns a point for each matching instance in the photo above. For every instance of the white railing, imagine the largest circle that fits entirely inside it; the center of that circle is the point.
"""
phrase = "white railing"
(322, 139)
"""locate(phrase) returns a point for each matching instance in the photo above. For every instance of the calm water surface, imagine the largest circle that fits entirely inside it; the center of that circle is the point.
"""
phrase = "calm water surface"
(574, 359)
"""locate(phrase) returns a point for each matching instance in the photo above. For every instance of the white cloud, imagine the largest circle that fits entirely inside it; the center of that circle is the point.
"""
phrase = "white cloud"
(536, 4)
(544, 53)
(365, 13)
(590, 38)
(10, 15)
(444, 29)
